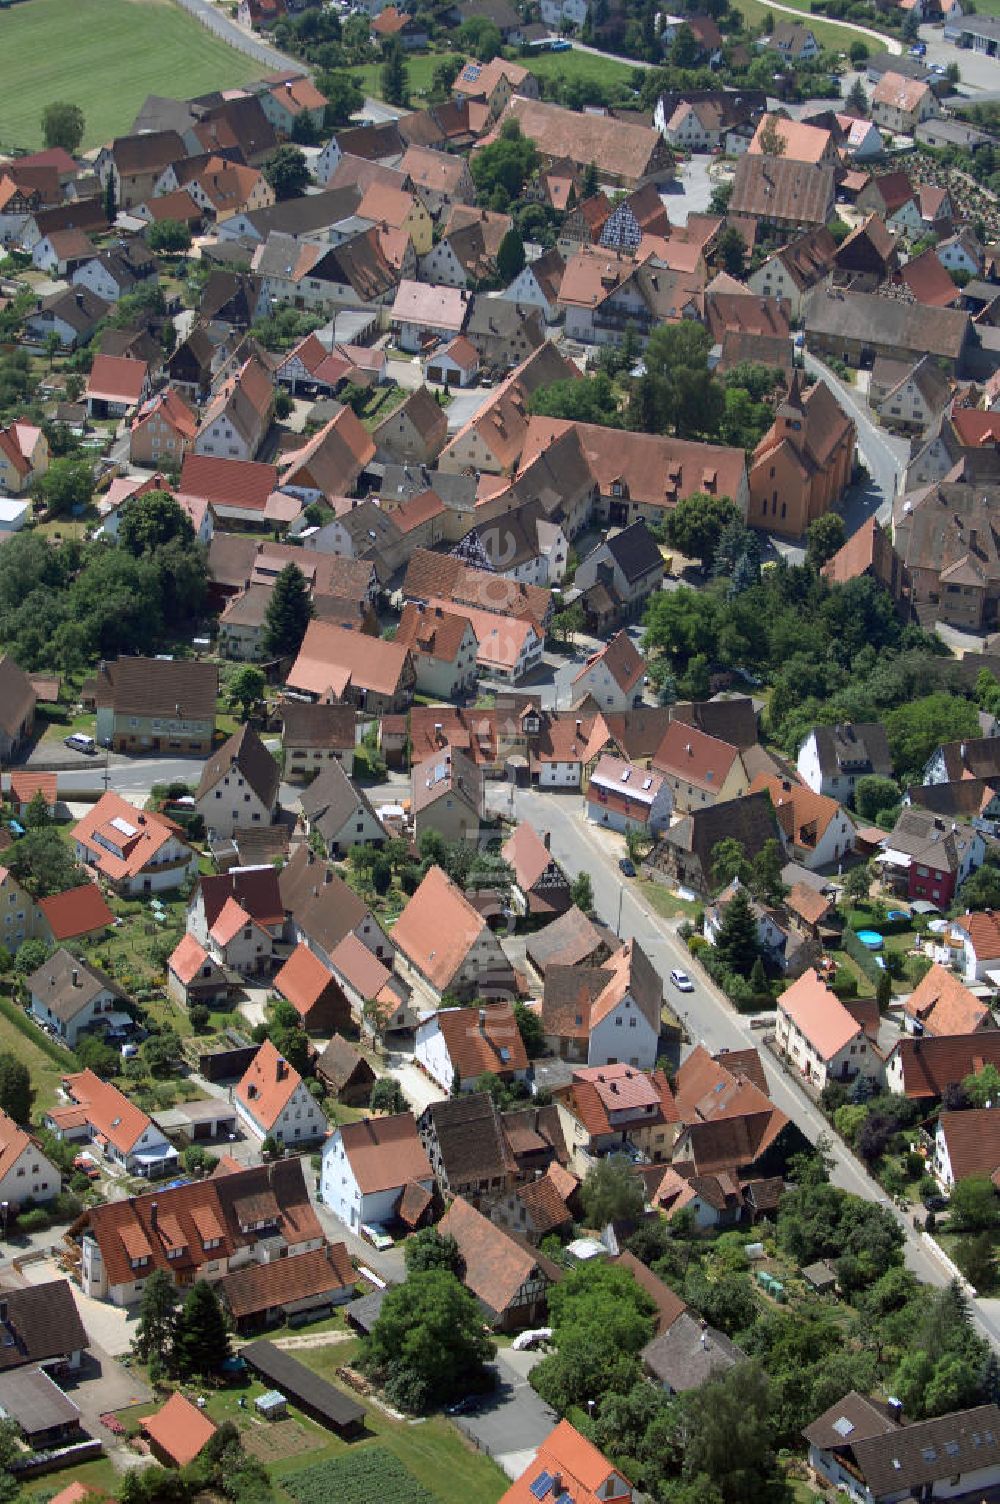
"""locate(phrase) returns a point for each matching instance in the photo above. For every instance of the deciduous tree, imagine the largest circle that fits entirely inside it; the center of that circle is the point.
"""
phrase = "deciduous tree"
(63, 125)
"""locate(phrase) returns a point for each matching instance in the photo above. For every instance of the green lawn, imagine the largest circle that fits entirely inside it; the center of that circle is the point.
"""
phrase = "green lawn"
(582, 65)
(419, 73)
(666, 904)
(45, 1073)
(106, 56)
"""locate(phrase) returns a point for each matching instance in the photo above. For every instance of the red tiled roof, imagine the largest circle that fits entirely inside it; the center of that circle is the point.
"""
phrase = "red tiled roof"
(268, 1085)
(234, 483)
(583, 1472)
(79, 911)
(180, 1429)
(818, 1015)
(385, 1153)
(303, 979)
(108, 1111)
(483, 1041)
(187, 959)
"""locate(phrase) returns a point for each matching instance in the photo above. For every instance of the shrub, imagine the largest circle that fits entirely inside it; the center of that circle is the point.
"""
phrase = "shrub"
(697, 944)
(35, 1220)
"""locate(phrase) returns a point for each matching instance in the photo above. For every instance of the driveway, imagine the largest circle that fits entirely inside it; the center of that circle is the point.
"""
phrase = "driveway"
(419, 1090)
(465, 405)
(104, 1385)
(690, 192)
(512, 1422)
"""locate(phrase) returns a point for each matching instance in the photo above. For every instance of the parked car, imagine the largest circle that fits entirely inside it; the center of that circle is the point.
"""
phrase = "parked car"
(936, 1203)
(627, 866)
(681, 980)
(919, 49)
(80, 743)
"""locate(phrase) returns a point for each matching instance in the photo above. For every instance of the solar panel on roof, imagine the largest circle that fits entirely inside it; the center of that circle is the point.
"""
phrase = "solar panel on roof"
(541, 1485)
(565, 1498)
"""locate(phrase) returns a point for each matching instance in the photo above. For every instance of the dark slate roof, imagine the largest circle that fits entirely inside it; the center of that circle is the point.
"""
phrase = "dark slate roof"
(299, 1383)
(929, 1451)
(42, 1322)
(634, 550)
(470, 1137)
(850, 1419)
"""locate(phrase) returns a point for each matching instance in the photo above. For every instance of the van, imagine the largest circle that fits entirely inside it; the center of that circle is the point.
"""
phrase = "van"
(80, 743)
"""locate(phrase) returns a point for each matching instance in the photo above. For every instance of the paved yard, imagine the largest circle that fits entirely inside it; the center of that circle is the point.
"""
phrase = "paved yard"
(105, 1385)
(513, 1422)
(419, 1090)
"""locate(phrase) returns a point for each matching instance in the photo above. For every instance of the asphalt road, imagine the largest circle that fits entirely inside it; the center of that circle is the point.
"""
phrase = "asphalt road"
(216, 20)
(709, 1018)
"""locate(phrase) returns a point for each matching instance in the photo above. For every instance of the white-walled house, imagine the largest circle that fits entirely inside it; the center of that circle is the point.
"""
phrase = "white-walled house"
(369, 1166)
(967, 1143)
(833, 758)
(95, 1112)
(69, 997)
(25, 1173)
(980, 945)
(239, 785)
(622, 797)
(455, 1046)
(822, 1040)
(273, 1101)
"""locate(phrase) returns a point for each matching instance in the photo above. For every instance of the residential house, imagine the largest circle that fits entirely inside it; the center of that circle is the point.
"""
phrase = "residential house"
(443, 647)
(45, 1327)
(97, 1113)
(72, 314)
(74, 915)
(493, 439)
(116, 386)
(908, 396)
(376, 1174)
(235, 422)
(447, 797)
(620, 574)
(564, 748)
(238, 785)
(683, 854)
(980, 945)
(493, 85)
(821, 1038)
(439, 178)
(468, 1147)
(949, 549)
(313, 991)
(928, 858)
(966, 1143)
(345, 1073)
(324, 912)
(616, 1109)
(423, 313)
(816, 831)
(314, 735)
(334, 663)
(26, 1174)
(605, 1015)
(162, 431)
(699, 769)
(330, 463)
(901, 104)
(612, 677)
(272, 1101)
(457, 364)
(134, 851)
(623, 797)
(17, 708)
(157, 705)
(113, 274)
(195, 976)
(540, 887)
(925, 1067)
(794, 270)
(568, 1461)
(861, 1445)
(689, 1352)
(833, 758)
(62, 251)
(24, 456)
(793, 42)
(941, 1005)
(785, 938)
(539, 1207)
(537, 285)
(413, 433)
(134, 163)
(457, 1046)
(340, 813)
(291, 100)
(203, 1229)
(18, 916)
(507, 1277)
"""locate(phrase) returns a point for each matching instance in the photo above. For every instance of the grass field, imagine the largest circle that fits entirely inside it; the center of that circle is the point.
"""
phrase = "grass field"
(45, 1073)
(581, 65)
(419, 73)
(106, 56)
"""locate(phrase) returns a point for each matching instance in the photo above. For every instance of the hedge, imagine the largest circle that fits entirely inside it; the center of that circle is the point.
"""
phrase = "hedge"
(860, 953)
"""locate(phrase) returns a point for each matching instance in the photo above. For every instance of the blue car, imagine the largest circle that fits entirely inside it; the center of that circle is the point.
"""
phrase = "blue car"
(919, 49)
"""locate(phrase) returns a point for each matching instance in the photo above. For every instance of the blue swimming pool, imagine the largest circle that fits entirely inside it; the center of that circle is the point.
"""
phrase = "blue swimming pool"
(897, 914)
(871, 938)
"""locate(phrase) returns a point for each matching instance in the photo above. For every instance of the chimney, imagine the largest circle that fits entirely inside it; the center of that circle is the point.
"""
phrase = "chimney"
(280, 1069)
(153, 1208)
(482, 1020)
(895, 1409)
(555, 1488)
(75, 976)
(547, 840)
